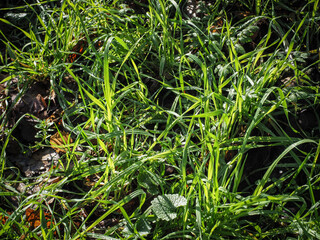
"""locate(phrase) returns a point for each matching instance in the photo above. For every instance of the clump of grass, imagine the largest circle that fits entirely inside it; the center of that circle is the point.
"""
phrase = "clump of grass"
(199, 123)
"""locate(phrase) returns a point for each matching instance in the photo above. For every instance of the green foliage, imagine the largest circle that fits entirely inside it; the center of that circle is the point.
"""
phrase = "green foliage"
(182, 127)
(165, 206)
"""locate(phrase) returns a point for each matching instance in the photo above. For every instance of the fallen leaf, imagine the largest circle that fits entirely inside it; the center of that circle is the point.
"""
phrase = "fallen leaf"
(39, 162)
(33, 218)
(3, 219)
(59, 140)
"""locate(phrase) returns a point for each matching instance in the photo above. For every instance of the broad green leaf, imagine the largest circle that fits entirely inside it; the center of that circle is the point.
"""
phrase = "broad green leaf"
(141, 226)
(239, 49)
(149, 182)
(164, 206)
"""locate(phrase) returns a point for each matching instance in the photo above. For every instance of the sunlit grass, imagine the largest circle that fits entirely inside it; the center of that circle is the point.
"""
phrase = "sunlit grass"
(165, 105)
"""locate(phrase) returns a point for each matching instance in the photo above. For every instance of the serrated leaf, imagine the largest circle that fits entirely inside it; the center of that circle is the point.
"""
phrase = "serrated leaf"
(164, 206)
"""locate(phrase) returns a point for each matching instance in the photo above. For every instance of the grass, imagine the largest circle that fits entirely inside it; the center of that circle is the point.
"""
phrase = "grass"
(169, 127)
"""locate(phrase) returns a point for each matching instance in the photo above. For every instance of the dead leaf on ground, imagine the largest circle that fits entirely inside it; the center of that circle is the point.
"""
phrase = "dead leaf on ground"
(33, 218)
(39, 162)
(59, 140)
(34, 101)
(4, 218)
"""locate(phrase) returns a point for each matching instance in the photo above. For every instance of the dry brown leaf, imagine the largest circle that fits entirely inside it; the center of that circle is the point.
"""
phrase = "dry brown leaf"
(59, 140)
(33, 218)
(4, 218)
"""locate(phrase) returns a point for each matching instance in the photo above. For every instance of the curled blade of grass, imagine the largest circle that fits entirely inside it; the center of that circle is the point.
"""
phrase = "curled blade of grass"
(266, 176)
